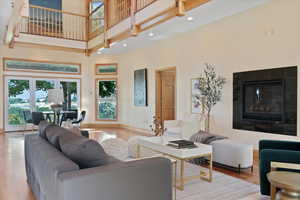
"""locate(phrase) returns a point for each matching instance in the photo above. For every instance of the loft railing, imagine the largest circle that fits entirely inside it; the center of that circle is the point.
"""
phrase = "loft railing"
(118, 10)
(54, 23)
(140, 4)
(61, 24)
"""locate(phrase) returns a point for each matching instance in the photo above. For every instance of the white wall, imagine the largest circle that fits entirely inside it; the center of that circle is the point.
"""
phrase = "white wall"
(261, 38)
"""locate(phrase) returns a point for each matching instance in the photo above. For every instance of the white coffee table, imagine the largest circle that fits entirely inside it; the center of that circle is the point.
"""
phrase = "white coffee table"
(159, 144)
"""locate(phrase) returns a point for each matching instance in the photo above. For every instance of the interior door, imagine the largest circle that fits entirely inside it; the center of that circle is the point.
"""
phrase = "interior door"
(168, 95)
(165, 95)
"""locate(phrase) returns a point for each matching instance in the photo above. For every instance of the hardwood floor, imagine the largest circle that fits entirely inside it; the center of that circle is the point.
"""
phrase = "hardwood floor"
(13, 185)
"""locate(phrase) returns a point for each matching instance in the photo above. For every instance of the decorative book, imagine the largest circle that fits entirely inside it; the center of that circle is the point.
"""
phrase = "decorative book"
(182, 144)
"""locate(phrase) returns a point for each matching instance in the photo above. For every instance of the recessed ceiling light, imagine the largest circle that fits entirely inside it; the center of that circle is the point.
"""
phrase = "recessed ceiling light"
(151, 34)
(190, 18)
(124, 45)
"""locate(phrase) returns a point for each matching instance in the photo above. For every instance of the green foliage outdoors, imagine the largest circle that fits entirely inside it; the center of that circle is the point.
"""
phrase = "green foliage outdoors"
(107, 88)
(107, 110)
(18, 87)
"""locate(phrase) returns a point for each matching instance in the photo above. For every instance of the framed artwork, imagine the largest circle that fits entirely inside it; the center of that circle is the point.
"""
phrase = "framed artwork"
(140, 88)
(107, 69)
(196, 97)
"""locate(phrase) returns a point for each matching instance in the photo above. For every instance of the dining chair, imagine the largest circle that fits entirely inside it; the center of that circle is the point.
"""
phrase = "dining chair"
(37, 117)
(28, 119)
(81, 118)
(70, 116)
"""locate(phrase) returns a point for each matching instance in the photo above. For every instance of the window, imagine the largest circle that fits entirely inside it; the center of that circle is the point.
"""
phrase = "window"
(106, 99)
(55, 4)
(96, 15)
(41, 66)
(31, 94)
(107, 69)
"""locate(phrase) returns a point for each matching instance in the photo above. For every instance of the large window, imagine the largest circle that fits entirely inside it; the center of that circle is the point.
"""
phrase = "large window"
(106, 99)
(31, 94)
(41, 66)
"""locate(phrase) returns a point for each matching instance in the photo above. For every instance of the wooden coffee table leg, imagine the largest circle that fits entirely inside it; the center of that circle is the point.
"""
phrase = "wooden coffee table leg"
(182, 175)
(210, 167)
(273, 192)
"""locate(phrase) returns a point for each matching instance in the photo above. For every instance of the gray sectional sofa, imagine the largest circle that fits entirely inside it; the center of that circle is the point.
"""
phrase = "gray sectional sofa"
(54, 176)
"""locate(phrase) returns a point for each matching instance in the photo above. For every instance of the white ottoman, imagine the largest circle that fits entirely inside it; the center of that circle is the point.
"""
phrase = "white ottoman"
(233, 154)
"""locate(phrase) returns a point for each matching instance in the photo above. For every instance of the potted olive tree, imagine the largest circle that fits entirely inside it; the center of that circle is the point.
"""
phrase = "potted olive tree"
(210, 87)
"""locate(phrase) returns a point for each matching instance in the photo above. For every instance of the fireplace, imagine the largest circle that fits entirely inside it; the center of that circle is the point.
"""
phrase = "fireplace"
(266, 101)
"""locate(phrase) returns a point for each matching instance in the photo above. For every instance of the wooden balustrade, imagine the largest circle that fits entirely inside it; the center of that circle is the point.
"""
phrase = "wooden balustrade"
(61, 24)
(118, 10)
(140, 4)
(54, 23)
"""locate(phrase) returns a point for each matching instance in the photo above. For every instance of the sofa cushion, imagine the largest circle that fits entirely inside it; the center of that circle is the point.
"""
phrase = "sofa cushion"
(42, 128)
(52, 134)
(86, 153)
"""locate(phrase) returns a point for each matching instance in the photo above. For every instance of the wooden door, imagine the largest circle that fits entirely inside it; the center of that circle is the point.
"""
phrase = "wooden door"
(166, 89)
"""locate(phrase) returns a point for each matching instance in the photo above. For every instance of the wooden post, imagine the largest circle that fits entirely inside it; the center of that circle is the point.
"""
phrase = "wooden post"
(106, 18)
(134, 27)
(180, 4)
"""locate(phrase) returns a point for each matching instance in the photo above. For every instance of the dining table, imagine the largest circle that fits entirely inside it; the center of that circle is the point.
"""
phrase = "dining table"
(57, 115)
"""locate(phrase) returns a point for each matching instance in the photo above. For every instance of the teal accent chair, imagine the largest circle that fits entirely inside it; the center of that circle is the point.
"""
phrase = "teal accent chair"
(275, 151)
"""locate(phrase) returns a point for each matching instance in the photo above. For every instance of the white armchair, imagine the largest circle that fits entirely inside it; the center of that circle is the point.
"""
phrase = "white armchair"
(173, 128)
(181, 128)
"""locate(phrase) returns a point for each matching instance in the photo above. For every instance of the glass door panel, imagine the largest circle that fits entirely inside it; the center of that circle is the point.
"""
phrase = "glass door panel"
(41, 94)
(31, 94)
(18, 101)
(70, 90)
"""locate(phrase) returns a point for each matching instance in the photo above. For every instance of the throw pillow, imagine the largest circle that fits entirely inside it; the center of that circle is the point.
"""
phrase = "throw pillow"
(42, 128)
(84, 152)
(52, 134)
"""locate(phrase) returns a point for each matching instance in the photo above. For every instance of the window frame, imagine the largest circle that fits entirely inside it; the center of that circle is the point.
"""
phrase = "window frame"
(40, 71)
(97, 66)
(97, 99)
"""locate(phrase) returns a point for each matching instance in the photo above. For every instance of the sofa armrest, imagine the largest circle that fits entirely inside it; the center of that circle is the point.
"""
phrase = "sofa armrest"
(146, 179)
(277, 144)
(267, 156)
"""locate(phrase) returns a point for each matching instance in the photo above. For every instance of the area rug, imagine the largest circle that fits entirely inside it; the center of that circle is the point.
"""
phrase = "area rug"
(223, 187)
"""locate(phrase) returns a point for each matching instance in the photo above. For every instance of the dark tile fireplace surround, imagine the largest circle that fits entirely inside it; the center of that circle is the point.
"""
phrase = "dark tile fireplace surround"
(266, 101)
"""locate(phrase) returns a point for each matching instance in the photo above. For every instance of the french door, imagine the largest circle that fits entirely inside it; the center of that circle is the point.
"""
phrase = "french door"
(31, 94)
